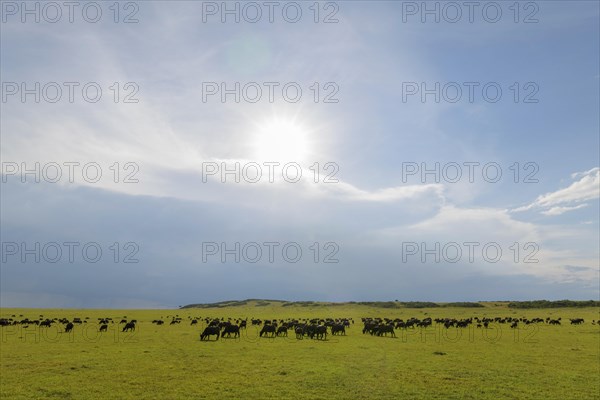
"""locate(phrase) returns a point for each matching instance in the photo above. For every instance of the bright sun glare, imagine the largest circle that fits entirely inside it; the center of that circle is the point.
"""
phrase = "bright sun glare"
(281, 140)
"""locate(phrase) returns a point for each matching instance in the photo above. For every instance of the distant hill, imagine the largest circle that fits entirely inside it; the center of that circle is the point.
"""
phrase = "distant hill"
(284, 303)
(398, 304)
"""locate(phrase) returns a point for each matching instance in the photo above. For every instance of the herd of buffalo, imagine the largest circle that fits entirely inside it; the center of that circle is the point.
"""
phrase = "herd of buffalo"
(315, 328)
(319, 328)
(312, 328)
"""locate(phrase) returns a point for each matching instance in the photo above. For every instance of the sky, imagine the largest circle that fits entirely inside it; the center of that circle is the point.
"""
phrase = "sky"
(157, 153)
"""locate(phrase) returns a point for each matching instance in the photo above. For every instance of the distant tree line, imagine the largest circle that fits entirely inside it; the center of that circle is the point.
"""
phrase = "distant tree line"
(463, 304)
(553, 304)
(417, 304)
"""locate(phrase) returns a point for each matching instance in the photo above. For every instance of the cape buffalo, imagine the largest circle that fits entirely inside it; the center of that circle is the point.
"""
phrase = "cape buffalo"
(385, 329)
(69, 327)
(320, 331)
(338, 329)
(210, 330)
(130, 326)
(282, 331)
(268, 329)
(229, 329)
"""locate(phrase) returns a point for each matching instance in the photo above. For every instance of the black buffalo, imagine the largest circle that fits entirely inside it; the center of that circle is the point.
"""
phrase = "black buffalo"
(130, 326)
(338, 329)
(210, 330)
(319, 331)
(282, 331)
(385, 329)
(229, 329)
(69, 327)
(268, 329)
(46, 323)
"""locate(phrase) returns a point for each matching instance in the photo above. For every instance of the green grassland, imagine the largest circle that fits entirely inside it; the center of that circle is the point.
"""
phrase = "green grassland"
(170, 362)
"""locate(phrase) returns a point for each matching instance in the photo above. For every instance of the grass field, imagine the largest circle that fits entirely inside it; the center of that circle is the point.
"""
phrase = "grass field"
(170, 362)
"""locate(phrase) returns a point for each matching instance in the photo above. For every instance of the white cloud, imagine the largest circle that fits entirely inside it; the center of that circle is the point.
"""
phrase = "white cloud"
(586, 188)
(346, 191)
(562, 210)
(558, 202)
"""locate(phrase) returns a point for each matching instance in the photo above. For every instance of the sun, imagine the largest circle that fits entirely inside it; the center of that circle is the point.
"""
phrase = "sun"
(282, 140)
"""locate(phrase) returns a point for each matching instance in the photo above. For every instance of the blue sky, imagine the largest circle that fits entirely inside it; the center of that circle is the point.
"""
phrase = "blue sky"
(366, 219)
